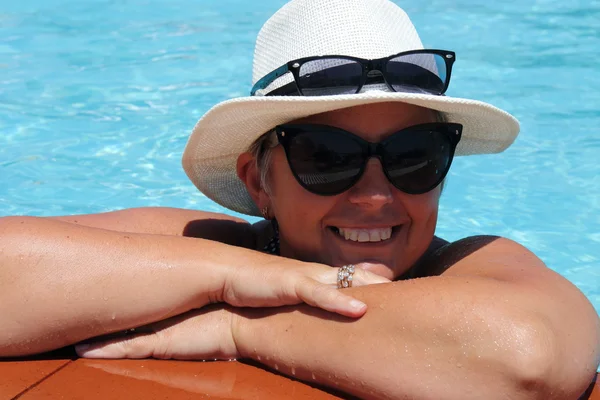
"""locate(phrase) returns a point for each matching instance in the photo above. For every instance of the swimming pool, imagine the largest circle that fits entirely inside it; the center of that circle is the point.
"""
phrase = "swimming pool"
(97, 99)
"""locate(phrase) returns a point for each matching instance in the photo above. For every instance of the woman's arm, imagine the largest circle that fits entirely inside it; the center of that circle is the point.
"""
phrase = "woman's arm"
(496, 324)
(63, 282)
(171, 222)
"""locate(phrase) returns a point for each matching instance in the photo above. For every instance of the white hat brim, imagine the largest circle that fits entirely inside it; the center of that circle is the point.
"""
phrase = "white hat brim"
(229, 128)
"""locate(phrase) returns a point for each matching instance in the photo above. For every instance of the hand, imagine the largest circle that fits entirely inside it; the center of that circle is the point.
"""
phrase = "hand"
(203, 334)
(283, 281)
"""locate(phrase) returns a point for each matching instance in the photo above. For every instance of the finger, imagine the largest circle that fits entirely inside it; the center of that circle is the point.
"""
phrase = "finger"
(363, 278)
(135, 346)
(329, 298)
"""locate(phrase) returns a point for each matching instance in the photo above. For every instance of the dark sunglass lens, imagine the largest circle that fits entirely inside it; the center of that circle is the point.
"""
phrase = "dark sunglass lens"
(417, 161)
(330, 76)
(420, 73)
(325, 163)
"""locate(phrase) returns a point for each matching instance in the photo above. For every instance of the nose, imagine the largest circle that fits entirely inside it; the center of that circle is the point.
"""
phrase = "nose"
(373, 190)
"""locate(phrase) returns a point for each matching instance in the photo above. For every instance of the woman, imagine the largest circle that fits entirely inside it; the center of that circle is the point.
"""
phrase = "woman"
(346, 157)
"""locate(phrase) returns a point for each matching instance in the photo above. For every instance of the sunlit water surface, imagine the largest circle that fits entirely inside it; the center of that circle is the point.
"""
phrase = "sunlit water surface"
(97, 99)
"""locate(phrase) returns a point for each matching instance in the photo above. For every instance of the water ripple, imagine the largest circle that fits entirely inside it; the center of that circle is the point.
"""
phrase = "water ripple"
(97, 99)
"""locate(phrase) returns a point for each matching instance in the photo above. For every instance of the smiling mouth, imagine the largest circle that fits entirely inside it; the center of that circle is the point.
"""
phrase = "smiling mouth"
(365, 235)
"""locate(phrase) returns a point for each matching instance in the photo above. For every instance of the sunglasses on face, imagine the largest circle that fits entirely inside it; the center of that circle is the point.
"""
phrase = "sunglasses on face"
(328, 161)
(417, 71)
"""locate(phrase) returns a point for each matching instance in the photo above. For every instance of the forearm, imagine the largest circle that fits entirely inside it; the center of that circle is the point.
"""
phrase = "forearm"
(61, 283)
(432, 338)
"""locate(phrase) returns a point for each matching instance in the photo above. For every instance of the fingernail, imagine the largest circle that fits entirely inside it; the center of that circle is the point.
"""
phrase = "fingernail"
(359, 305)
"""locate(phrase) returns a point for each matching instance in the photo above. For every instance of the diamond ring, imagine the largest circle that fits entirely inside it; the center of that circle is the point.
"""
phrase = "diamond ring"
(345, 276)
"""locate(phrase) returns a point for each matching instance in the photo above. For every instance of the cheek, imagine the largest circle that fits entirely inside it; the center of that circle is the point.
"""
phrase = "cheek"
(294, 207)
(423, 210)
(299, 214)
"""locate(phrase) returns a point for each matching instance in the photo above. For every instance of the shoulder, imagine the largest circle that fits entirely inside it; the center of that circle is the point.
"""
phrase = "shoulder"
(478, 255)
(551, 304)
(171, 221)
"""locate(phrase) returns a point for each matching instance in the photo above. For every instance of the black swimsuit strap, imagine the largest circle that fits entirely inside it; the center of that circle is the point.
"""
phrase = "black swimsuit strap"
(273, 246)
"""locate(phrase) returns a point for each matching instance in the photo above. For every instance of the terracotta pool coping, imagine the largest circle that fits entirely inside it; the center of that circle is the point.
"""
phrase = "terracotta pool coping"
(61, 375)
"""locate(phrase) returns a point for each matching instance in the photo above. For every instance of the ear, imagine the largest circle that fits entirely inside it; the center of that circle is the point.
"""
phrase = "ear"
(249, 174)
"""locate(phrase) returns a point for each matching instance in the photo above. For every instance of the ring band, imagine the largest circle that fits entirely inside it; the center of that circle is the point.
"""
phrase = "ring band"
(345, 276)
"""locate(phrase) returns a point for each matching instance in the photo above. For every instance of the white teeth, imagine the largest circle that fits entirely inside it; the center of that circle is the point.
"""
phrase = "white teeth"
(366, 235)
(363, 236)
(375, 235)
(387, 233)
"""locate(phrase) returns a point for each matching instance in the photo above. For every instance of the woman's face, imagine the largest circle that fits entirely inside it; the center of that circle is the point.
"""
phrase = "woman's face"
(309, 224)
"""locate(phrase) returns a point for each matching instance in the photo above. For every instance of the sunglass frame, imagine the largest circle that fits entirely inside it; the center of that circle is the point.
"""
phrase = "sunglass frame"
(378, 64)
(285, 133)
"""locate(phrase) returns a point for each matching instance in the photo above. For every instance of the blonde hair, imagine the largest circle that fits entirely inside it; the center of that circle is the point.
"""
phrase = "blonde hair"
(261, 150)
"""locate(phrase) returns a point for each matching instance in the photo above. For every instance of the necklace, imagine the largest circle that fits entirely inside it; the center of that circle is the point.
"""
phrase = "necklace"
(273, 246)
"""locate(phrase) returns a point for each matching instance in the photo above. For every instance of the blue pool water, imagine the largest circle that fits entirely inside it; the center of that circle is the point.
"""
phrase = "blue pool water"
(97, 98)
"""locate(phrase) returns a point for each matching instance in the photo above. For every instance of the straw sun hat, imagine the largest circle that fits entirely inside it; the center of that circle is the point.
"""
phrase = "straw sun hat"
(368, 29)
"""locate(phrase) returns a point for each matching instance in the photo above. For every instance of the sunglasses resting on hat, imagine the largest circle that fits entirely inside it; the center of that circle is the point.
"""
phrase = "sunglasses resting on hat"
(355, 53)
(328, 161)
(420, 71)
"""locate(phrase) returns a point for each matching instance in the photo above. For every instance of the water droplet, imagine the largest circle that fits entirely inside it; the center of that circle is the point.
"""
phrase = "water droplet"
(314, 377)
(276, 367)
(458, 365)
(293, 371)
